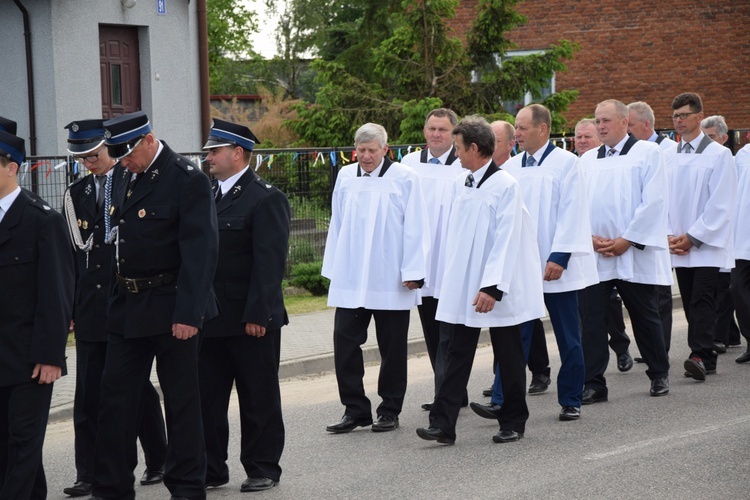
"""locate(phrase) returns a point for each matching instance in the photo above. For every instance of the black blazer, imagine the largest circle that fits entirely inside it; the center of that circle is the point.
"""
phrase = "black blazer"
(36, 286)
(167, 225)
(253, 245)
(93, 278)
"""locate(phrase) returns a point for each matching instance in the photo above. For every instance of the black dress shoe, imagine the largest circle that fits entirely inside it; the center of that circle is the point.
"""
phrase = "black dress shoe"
(695, 367)
(507, 436)
(539, 384)
(624, 361)
(385, 423)
(660, 386)
(152, 477)
(427, 406)
(257, 484)
(348, 424)
(570, 413)
(591, 396)
(79, 489)
(487, 392)
(744, 357)
(486, 411)
(639, 360)
(720, 347)
(435, 434)
(178, 498)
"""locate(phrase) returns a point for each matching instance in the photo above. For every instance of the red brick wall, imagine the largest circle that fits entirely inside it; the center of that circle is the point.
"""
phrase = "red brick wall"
(644, 51)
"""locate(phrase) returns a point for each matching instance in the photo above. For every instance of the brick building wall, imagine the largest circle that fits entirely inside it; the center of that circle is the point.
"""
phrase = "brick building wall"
(641, 50)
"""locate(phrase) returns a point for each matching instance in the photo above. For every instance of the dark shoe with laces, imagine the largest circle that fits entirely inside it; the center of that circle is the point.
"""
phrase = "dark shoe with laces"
(79, 489)
(507, 436)
(486, 411)
(257, 484)
(348, 424)
(152, 477)
(539, 384)
(624, 361)
(385, 423)
(487, 392)
(569, 413)
(591, 396)
(744, 357)
(720, 347)
(659, 387)
(435, 434)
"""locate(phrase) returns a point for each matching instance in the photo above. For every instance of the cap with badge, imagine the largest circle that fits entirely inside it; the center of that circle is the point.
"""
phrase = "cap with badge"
(224, 133)
(123, 133)
(7, 125)
(85, 136)
(12, 147)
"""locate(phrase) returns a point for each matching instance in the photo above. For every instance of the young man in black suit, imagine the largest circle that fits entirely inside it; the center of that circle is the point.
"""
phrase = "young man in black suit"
(242, 345)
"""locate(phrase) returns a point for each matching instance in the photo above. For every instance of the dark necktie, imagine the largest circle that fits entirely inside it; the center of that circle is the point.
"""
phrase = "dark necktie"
(366, 174)
(687, 148)
(219, 195)
(469, 181)
(131, 185)
(530, 161)
(611, 152)
(102, 181)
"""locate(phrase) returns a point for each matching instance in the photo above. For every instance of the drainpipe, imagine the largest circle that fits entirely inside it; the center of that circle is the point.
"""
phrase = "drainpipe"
(29, 78)
(203, 70)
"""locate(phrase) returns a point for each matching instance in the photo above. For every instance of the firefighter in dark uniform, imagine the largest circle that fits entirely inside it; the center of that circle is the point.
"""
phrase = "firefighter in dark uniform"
(165, 258)
(242, 345)
(36, 286)
(87, 206)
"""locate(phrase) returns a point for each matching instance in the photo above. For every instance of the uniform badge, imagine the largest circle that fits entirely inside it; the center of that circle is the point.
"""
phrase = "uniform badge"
(88, 189)
(107, 134)
(85, 224)
(142, 213)
(111, 210)
(46, 207)
(74, 128)
(79, 222)
(268, 186)
(237, 189)
(154, 174)
(189, 167)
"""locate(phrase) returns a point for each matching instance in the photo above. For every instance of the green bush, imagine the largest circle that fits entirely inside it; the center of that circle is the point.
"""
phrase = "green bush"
(307, 275)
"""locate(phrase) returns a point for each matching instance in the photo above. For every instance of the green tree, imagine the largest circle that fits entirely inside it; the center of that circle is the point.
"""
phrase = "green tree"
(229, 24)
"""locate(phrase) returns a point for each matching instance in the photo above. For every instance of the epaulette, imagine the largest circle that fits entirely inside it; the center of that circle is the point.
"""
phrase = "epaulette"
(262, 183)
(79, 180)
(37, 202)
(185, 164)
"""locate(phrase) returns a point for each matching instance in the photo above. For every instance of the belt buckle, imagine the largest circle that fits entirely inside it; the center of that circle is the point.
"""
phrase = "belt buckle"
(131, 285)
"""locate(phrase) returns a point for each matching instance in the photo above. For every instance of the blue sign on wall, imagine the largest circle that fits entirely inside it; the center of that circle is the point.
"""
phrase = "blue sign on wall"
(161, 7)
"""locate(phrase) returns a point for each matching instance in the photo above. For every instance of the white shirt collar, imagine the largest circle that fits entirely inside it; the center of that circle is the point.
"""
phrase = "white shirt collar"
(8, 200)
(229, 182)
(443, 158)
(694, 143)
(376, 172)
(620, 145)
(479, 174)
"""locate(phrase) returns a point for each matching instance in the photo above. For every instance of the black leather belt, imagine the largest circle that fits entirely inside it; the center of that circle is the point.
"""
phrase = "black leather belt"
(135, 285)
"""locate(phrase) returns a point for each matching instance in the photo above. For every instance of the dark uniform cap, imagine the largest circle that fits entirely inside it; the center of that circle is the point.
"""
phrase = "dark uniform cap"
(122, 134)
(12, 147)
(8, 125)
(84, 136)
(225, 133)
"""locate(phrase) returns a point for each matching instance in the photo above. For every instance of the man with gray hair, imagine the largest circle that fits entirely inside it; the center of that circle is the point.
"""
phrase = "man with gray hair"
(505, 141)
(716, 128)
(376, 257)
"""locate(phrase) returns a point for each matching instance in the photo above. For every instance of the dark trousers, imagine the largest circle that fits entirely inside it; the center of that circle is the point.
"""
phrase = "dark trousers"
(508, 350)
(664, 304)
(563, 312)
(698, 291)
(127, 366)
(640, 301)
(349, 333)
(90, 358)
(252, 365)
(741, 295)
(619, 341)
(24, 409)
(726, 330)
(535, 353)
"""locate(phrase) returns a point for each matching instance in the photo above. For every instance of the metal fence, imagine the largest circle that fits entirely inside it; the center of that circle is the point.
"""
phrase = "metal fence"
(306, 175)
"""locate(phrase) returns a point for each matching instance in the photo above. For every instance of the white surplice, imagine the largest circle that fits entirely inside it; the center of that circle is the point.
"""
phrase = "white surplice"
(555, 196)
(376, 240)
(702, 194)
(742, 213)
(628, 198)
(437, 190)
(490, 242)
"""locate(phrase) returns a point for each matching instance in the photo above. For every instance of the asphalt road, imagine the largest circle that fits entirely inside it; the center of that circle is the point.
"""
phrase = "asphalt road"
(693, 443)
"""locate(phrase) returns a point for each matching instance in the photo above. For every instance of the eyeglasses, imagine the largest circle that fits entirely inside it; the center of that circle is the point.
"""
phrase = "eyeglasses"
(91, 158)
(683, 116)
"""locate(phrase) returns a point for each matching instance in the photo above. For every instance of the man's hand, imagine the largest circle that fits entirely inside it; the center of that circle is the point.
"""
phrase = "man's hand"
(600, 242)
(615, 247)
(553, 271)
(47, 373)
(411, 285)
(255, 330)
(484, 302)
(680, 245)
(184, 332)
